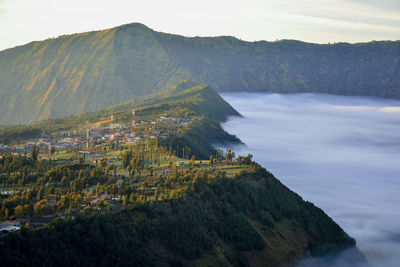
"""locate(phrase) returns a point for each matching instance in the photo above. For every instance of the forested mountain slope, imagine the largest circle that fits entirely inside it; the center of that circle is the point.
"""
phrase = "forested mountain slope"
(247, 220)
(163, 209)
(88, 71)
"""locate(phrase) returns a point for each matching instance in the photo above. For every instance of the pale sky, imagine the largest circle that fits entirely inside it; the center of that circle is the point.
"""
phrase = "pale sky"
(319, 21)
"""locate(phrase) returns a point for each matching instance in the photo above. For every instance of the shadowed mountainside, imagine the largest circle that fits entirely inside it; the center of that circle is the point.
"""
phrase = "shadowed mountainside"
(88, 71)
(248, 220)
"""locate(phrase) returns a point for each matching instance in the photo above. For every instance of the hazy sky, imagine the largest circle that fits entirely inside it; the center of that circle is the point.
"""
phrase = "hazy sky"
(321, 21)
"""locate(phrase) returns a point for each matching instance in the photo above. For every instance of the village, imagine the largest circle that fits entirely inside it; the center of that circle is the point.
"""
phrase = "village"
(104, 167)
(104, 135)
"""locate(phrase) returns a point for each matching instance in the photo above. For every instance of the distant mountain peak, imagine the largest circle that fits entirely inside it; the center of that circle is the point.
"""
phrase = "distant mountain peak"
(133, 25)
(93, 70)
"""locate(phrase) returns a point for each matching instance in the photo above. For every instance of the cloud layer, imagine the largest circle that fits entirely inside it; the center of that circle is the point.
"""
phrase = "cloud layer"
(341, 153)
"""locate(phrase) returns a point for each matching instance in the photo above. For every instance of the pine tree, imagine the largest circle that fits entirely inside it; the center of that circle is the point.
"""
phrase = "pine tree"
(156, 194)
(132, 198)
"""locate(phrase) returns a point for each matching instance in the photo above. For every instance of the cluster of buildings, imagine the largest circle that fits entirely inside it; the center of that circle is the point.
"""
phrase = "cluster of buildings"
(42, 144)
(112, 134)
(4, 148)
(9, 226)
(179, 121)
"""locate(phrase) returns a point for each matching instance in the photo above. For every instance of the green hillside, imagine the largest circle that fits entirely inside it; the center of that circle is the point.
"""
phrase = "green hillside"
(250, 219)
(183, 99)
(176, 100)
(89, 71)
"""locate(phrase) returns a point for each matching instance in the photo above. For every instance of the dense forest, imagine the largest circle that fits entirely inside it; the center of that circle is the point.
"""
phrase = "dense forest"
(88, 71)
(200, 138)
(217, 220)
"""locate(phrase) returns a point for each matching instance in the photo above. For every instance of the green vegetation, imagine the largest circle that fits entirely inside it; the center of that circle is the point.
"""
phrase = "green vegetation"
(168, 198)
(198, 139)
(89, 71)
(217, 219)
(63, 179)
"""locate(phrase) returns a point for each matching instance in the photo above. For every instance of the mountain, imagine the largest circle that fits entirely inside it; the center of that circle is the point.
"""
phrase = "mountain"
(88, 71)
(186, 96)
(207, 211)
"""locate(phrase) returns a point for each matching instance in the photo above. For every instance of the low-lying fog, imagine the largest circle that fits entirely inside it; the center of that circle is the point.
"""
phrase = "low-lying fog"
(341, 153)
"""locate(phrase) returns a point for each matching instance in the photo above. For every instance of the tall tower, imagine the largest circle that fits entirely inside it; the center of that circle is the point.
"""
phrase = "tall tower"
(112, 127)
(87, 138)
(133, 123)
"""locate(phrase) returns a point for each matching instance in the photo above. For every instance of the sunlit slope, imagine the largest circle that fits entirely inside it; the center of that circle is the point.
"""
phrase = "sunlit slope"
(88, 71)
(81, 72)
(200, 100)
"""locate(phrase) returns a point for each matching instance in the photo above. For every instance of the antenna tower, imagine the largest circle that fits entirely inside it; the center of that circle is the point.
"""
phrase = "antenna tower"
(133, 123)
(112, 127)
(87, 139)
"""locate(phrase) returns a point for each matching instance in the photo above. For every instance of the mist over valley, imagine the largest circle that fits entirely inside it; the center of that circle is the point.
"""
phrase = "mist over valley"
(341, 153)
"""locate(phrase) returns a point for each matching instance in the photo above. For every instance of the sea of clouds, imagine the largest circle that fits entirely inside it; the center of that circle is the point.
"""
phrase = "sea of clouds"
(341, 153)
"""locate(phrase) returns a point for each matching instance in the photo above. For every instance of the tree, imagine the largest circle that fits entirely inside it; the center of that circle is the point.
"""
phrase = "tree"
(229, 155)
(156, 193)
(34, 153)
(103, 163)
(124, 200)
(3, 213)
(42, 207)
(40, 193)
(219, 155)
(132, 198)
(19, 211)
(103, 204)
(46, 150)
(98, 189)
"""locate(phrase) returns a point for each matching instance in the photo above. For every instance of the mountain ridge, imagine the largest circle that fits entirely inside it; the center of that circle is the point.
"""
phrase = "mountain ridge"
(88, 71)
